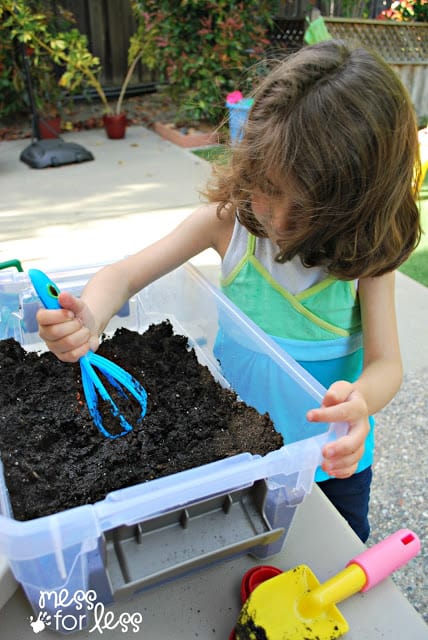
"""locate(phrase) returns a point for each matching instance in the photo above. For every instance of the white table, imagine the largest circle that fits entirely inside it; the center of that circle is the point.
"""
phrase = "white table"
(205, 605)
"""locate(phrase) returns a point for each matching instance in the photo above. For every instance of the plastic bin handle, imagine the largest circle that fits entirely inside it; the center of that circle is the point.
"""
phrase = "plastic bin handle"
(12, 263)
(169, 492)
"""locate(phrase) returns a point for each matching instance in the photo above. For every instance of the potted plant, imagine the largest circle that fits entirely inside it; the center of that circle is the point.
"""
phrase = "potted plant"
(115, 123)
(68, 49)
(47, 95)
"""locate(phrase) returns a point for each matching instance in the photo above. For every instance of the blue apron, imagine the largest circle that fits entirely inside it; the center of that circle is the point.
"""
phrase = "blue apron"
(319, 327)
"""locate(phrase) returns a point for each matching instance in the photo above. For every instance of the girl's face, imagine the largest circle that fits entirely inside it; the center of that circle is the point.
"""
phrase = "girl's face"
(272, 211)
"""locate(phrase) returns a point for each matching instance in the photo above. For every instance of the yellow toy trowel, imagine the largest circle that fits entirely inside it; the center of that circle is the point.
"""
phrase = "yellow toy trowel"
(294, 605)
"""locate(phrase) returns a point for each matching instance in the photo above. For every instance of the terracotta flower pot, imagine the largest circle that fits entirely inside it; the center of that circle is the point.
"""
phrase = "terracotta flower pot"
(49, 127)
(115, 125)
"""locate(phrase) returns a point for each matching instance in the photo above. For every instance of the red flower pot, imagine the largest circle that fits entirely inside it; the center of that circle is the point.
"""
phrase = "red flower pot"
(49, 127)
(115, 125)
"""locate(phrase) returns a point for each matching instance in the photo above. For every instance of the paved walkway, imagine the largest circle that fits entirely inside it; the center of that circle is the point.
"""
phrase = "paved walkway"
(134, 191)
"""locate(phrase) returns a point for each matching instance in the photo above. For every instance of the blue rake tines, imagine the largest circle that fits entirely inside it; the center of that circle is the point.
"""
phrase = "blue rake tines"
(93, 386)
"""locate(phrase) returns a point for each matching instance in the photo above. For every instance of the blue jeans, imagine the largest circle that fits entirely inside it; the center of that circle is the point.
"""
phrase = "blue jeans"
(351, 497)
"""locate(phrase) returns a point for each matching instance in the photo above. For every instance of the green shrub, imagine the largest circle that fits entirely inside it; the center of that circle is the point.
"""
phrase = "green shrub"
(12, 100)
(44, 72)
(57, 53)
(204, 49)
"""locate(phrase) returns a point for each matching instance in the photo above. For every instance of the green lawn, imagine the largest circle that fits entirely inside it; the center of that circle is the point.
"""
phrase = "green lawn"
(217, 153)
(415, 267)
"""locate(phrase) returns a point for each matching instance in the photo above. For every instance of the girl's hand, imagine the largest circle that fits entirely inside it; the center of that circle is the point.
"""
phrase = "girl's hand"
(343, 403)
(69, 332)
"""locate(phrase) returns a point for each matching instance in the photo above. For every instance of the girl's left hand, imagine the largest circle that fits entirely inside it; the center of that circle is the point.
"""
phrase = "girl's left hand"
(343, 403)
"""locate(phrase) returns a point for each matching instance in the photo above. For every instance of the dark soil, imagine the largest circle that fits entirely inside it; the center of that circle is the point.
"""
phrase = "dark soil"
(55, 458)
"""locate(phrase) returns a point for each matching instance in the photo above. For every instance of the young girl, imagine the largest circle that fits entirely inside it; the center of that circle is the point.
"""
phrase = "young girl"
(311, 217)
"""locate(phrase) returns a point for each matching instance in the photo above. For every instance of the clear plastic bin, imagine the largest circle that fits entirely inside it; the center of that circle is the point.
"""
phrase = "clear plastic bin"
(155, 531)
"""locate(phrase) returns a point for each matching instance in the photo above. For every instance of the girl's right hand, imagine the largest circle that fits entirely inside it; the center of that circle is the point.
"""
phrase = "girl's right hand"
(71, 331)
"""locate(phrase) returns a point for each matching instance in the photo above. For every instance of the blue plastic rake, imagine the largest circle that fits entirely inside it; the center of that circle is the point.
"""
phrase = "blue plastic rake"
(93, 387)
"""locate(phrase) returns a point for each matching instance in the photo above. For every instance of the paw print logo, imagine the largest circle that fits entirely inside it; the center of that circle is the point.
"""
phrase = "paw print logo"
(43, 620)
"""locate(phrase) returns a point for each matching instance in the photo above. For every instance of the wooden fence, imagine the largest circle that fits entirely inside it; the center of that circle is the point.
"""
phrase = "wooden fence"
(108, 25)
(403, 45)
(354, 9)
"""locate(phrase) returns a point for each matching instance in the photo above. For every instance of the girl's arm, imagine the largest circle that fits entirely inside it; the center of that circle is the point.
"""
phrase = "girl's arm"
(71, 331)
(383, 370)
(379, 381)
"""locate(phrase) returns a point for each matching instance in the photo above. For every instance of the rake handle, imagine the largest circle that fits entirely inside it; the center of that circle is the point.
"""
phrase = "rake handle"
(47, 291)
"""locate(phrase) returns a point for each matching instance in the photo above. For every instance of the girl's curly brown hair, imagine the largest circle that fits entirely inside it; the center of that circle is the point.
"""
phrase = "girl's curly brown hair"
(335, 127)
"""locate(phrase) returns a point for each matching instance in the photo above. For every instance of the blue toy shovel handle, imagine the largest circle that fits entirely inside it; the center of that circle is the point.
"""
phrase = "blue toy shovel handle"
(45, 288)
